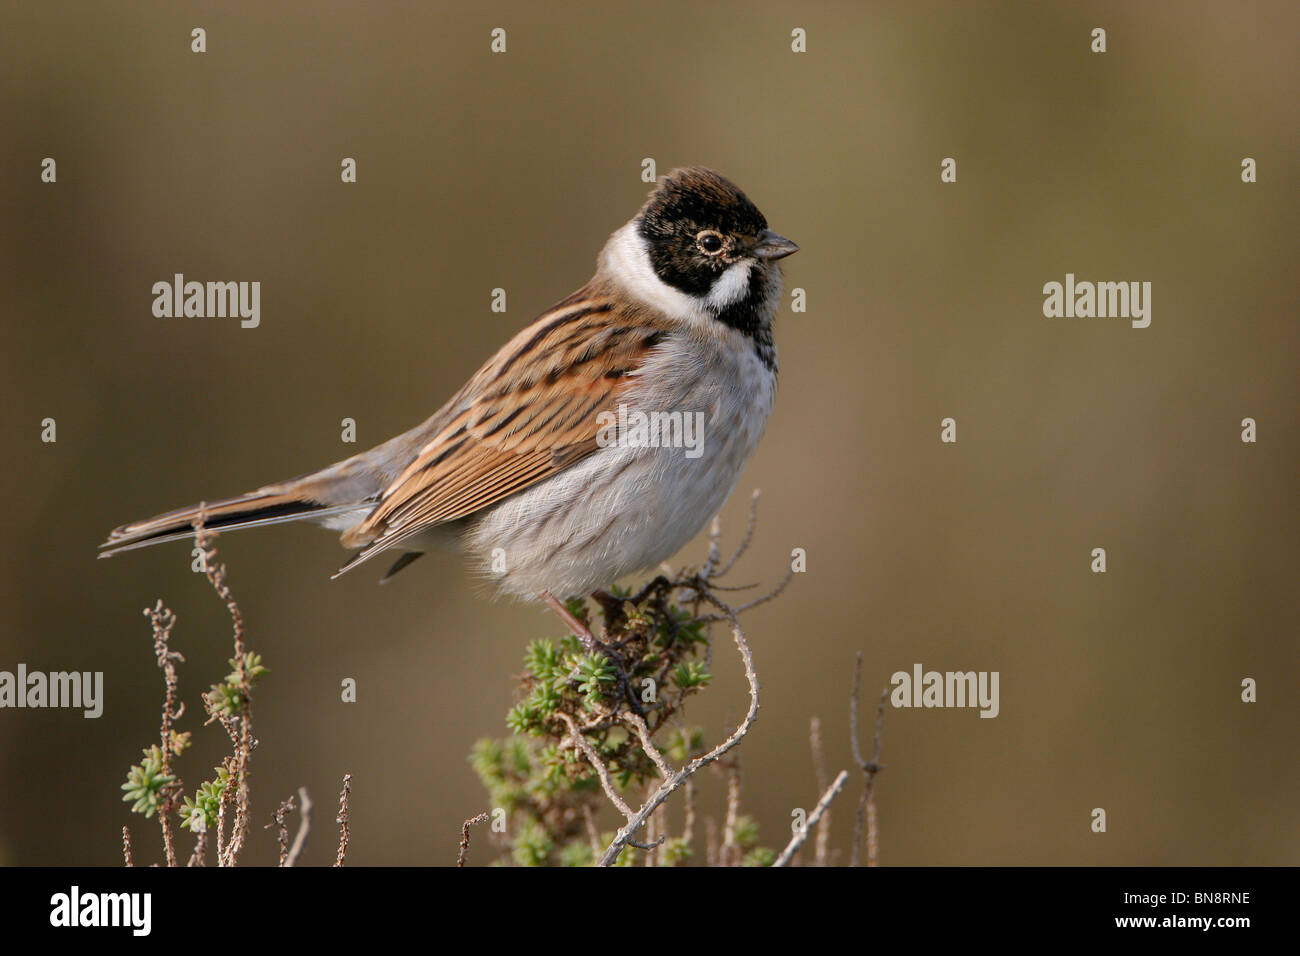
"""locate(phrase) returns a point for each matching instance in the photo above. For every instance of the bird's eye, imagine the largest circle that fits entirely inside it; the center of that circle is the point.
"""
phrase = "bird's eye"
(710, 243)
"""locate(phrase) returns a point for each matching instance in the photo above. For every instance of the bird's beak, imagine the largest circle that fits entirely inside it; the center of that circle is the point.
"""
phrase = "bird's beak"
(771, 246)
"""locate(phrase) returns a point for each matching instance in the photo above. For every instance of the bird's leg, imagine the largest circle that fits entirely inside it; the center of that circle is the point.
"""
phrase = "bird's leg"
(579, 629)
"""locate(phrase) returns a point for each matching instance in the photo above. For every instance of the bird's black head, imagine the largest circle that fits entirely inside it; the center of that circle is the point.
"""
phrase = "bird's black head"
(706, 239)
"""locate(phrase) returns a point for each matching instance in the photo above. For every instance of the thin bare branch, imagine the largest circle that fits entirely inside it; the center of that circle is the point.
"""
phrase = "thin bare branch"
(300, 838)
(715, 549)
(731, 851)
(673, 783)
(643, 732)
(853, 711)
(688, 797)
(866, 826)
(801, 834)
(770, 595)
(648, 846)
(598, 765)
(746, 540)
(593, 835)
(652, 841)
(822, 855)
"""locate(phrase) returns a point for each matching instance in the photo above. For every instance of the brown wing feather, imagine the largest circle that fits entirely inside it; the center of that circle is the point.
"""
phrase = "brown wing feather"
(529, 413)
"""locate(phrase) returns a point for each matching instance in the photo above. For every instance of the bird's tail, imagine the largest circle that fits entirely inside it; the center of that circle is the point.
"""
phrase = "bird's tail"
(288, 501)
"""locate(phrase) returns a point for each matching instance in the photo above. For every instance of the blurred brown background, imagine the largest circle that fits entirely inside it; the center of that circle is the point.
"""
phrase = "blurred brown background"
(924, 301)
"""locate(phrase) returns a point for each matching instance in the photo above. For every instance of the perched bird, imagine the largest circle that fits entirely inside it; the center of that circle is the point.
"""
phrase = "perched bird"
(539, 468)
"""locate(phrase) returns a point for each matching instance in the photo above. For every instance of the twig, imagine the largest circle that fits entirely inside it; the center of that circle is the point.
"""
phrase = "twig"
(240, 728)
(853, 711)
(282, 829)
(869, 791)
(674, 782)
(593, 835)
(688, 827)
(463, 853)
(342, 819)
(222, 804)
(200, 850)
(866, 823)
(163, 620)
(714, 554)
(819, 768)
(710, 571)
(126, 846)
(643, 732)
(747, 539)
(730, 847)
(602, 772)
(300, 838)
(652, 841)
(801, 834)
(216, 574)
(770, 595)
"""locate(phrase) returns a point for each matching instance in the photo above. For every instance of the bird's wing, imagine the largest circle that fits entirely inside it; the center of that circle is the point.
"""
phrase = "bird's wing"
(529, 413)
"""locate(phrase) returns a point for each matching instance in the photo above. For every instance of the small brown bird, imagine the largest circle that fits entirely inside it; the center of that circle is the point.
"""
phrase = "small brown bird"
(542, 467)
